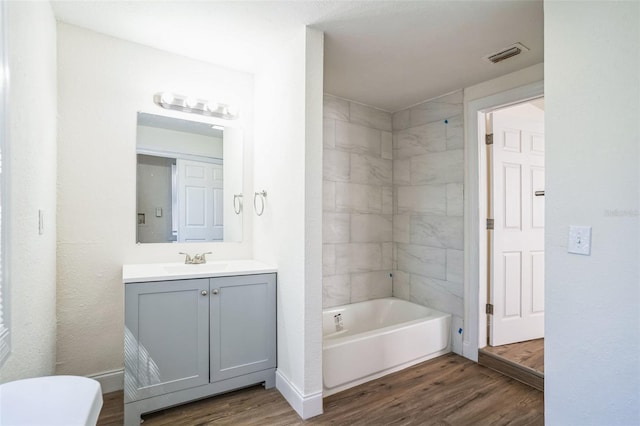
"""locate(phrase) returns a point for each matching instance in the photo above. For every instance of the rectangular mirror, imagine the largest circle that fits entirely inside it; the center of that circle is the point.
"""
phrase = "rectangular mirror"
(189, 181)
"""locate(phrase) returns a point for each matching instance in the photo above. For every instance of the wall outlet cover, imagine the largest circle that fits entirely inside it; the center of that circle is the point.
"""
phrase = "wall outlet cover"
(579, 240)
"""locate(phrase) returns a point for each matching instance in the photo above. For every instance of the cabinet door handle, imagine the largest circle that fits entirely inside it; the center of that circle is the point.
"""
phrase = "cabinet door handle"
(214, 291)
(204, 292)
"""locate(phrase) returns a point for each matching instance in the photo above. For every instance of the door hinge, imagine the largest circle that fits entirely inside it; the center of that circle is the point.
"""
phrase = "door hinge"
(488, 139)
(489, 223)
(489, 309)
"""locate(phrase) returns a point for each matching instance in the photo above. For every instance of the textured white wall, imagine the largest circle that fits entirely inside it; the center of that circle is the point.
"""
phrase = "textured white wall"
(102, 83)
(288, 165)
(592, 103)
(32, 132)
(314, 85)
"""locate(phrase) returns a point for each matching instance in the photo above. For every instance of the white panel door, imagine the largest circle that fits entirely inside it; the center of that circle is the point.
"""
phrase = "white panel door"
(517, 258)
(200, 208)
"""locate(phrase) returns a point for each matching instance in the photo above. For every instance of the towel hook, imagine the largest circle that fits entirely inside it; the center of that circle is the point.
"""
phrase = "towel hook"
(262, 194)
(237, 207)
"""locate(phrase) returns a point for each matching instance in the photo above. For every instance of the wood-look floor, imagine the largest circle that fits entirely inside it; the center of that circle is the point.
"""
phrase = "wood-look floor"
(529, 354)
(449, 390)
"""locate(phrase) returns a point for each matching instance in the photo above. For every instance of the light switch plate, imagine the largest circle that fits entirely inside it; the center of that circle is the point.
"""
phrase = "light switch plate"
(40, 222)
(579, 240)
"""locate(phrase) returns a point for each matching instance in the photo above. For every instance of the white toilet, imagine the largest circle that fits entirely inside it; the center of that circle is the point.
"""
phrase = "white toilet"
(49, 401)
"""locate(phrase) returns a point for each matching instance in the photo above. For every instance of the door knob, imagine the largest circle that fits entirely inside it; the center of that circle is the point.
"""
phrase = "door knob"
(215, 291)
(204, 292)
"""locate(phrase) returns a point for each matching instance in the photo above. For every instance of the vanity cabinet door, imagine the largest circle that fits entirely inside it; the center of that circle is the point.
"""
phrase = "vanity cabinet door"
(166, 337)
(243, 325)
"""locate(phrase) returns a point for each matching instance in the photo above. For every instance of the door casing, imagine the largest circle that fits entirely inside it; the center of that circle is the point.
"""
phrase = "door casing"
(475, 206)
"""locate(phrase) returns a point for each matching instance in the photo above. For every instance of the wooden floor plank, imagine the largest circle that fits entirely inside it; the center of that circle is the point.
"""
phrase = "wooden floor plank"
(509, 368)
(529, 353)
(448, 390)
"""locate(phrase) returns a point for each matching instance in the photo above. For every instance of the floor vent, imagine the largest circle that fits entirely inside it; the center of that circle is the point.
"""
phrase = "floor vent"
(505, 53)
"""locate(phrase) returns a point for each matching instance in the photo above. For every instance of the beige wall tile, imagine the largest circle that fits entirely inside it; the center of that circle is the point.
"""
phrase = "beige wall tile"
(437, 109)
(335, 228)
(455, 199)
(371, 228)
(336, 290)
(371, 285)
(438, 167)
(328, 259)
(369, 117)
(437, 231)
(429, 199)
(357, 138)
(335, 108)
(336, 165)
(421, 260)
(356, 198)
(329, 133)
(371, 170)
(358, 257)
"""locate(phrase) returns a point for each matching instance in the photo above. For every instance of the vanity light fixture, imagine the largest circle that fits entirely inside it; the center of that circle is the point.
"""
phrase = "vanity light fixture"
(195, 106)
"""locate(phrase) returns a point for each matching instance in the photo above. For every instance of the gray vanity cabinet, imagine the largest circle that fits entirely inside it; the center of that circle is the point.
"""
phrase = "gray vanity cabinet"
(243, 325)
(166, 337)
(192, 338)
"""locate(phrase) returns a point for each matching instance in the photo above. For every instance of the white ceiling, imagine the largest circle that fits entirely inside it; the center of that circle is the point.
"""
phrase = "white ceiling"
(388, 54)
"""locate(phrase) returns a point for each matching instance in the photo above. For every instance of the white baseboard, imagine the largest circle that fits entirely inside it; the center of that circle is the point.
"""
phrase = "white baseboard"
(470, 351)
(110, 381)
(306, 406)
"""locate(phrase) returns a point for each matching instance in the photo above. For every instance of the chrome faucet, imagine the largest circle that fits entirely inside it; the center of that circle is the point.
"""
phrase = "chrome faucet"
(197, 259)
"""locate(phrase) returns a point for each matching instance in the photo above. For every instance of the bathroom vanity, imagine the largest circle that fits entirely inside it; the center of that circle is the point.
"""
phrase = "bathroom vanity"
(193, 331)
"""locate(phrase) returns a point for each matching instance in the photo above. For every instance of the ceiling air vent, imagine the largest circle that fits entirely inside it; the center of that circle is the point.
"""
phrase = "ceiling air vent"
(505, 53)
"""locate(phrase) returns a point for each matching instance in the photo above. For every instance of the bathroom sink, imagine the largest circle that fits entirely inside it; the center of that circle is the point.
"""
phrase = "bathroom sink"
(198, 268)
(147, 272)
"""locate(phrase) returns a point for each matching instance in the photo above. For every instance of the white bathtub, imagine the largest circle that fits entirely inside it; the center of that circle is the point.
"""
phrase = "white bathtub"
(379, 337)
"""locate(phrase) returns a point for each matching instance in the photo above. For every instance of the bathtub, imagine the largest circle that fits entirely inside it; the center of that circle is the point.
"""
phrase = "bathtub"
(366, 340)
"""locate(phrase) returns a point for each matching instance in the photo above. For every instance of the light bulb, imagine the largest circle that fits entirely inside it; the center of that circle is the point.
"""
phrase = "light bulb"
(191, 102)
(166, 98)
(212, 106)
(232, 110)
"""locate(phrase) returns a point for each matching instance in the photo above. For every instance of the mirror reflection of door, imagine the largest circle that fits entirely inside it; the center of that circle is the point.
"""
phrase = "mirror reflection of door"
(200, 201)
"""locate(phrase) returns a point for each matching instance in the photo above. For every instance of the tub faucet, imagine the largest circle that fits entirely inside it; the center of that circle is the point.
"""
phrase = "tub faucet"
(196, 259)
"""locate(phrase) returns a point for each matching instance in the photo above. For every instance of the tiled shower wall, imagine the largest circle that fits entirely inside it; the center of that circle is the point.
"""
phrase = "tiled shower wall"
(428, 228)
(357, 224)
(393, 202)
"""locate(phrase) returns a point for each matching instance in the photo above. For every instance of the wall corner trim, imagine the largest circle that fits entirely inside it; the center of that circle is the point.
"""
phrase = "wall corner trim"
(306, 406)
(110, 381)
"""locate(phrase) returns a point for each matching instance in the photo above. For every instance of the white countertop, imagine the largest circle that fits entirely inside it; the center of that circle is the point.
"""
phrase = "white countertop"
(147, 272)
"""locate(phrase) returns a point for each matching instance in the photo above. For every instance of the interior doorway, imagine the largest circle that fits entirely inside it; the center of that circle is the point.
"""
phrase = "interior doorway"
(514, 282)
(475, 241)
